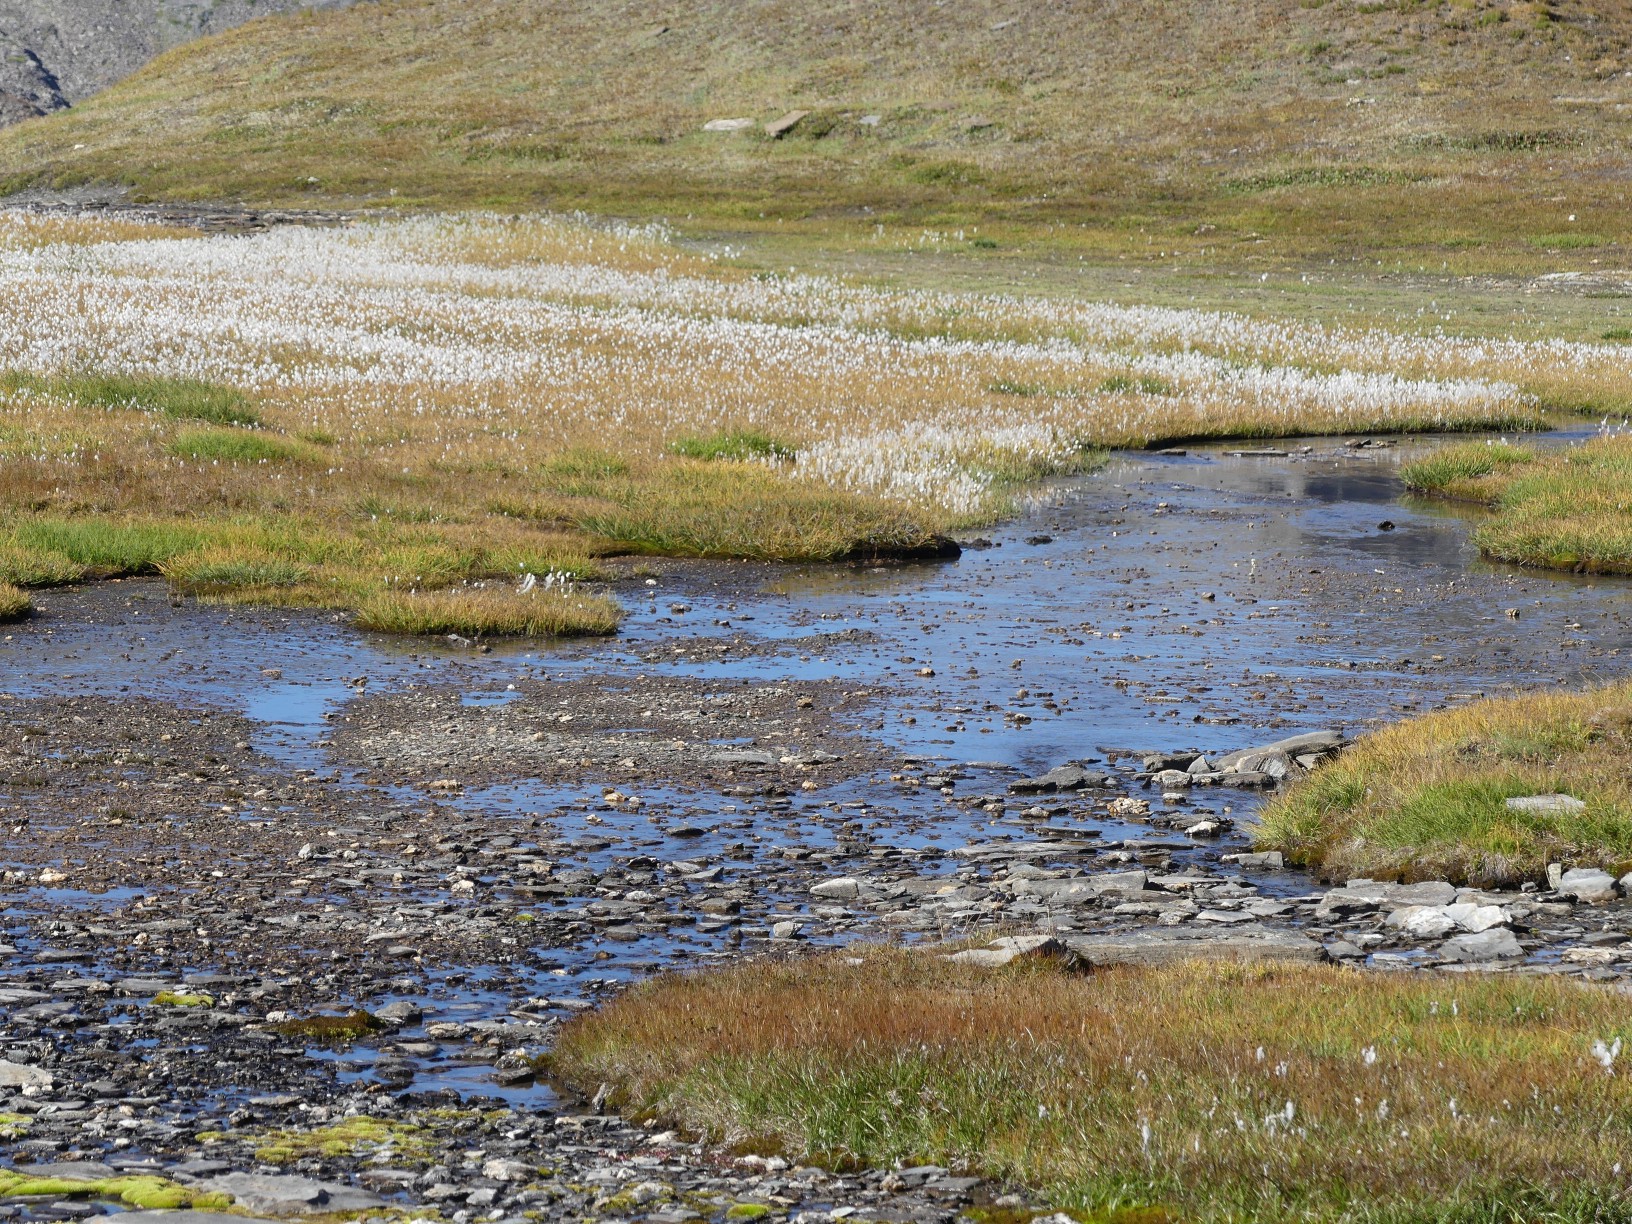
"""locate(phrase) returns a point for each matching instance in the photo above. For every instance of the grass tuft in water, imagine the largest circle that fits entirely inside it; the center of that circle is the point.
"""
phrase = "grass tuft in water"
(491, 611)
(330, 1030)
(1569, 509)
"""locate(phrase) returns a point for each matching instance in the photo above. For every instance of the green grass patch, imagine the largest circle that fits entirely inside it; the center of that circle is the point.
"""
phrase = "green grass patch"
(187, 399)
(217, 570)
(731, 509)
(1425, 798)
(1199, 1092)
(1461, 470)
(1569, 241)
(232, 446)
(171, 998)
(107, 547)
(355, 1138)
(1569, 509)
(738, 444)
(29, 567)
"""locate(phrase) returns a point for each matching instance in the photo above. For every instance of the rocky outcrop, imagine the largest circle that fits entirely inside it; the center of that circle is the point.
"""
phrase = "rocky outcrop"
(54, 54)
(27, 88)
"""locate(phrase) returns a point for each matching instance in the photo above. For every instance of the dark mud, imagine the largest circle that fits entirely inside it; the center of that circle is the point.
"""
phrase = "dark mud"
(225, 822)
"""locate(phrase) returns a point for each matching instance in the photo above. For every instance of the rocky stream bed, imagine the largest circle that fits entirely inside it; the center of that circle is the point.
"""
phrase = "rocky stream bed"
(290, 911)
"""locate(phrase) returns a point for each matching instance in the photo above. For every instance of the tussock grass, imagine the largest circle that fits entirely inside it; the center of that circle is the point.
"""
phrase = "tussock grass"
(721, 507)
(37, 567)
(1468, 471)
(1198, 1092)
(491, 611)
(1423, 799)
(219, 570)
(106, 547)
(14, 602)
(1568, 509)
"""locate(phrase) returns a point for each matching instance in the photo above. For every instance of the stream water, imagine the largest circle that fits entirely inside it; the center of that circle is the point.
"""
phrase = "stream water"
(1206, 600)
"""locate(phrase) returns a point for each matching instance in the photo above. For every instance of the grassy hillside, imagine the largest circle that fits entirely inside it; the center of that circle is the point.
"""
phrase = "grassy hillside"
(1468, 133)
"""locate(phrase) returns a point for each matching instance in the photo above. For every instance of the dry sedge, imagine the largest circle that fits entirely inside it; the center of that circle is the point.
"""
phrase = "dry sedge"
(1208, 1091)
(1425, 798)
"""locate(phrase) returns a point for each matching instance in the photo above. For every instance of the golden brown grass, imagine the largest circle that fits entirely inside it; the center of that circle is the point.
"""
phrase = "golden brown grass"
(1424, 799)
(1567, 509)
(1206, 1091)
(14, 603)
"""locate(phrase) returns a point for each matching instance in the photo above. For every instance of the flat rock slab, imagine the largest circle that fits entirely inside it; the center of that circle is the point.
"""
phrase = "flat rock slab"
(1545, 804)
(1169, 945)
(71, 1170)
(1061, 778)
(283, 1194)
(21, 1075)
(1359, 896)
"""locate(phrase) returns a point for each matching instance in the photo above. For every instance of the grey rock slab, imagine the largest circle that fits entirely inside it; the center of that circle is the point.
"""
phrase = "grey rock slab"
(1168, 945)
(1498, 943)
(74, 1170)
(21, 1075)
(1312, 742)
(1360, 896)
(845, 888)
(1080, 889)
(1224, 917)
(1010, 948)
(286, 1194)
(1264, 860)
(1545, 804)
(1061, 778)
(1022, 850)
(1587, 884)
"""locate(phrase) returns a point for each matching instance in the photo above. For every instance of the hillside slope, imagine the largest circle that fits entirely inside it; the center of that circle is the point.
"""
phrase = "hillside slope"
(1314, 124)
(81, 46)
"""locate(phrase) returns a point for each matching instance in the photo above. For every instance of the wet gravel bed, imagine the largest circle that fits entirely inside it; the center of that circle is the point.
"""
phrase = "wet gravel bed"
(224, 823)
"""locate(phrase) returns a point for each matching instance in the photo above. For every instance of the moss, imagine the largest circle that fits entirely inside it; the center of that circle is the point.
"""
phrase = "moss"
(748, 1211)
(171, 998)
(13, 1126)
(331, 1030)
(352, 1137)
(150, 1193)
